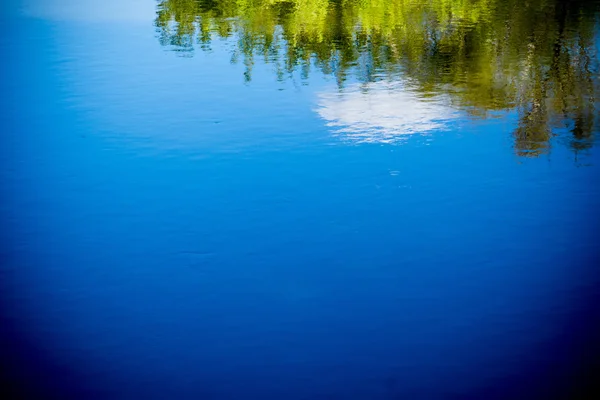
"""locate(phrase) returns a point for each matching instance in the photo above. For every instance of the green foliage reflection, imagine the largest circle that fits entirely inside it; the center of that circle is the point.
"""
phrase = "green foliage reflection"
(535, 56)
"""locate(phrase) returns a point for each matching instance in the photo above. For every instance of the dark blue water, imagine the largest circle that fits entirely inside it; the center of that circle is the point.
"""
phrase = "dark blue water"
(172, 232)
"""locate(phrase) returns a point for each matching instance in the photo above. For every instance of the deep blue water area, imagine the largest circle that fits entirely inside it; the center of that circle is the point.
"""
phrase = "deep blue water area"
(171, 230)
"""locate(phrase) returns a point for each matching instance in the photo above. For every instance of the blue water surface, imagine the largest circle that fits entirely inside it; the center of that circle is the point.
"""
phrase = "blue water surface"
(172, 232)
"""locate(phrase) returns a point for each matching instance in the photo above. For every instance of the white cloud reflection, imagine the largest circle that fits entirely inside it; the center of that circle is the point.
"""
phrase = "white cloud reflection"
(383, 112)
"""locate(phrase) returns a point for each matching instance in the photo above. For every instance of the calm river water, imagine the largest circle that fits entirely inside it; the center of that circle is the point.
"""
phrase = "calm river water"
(299, 199)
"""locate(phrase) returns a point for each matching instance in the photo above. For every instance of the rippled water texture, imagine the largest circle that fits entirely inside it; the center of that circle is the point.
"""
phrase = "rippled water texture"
(303, 199)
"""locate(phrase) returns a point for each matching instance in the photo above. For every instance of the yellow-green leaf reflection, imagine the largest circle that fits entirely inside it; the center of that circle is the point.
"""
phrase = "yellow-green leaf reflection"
(537, 57)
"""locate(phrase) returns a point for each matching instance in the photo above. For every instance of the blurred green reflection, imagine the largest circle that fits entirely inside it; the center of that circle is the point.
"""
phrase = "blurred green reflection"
(538, 57)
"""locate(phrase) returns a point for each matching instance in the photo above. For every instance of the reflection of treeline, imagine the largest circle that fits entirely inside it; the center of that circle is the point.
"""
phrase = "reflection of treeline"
(538, 56)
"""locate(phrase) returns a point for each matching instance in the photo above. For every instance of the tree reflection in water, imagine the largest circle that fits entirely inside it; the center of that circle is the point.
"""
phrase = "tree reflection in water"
(538, 57)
